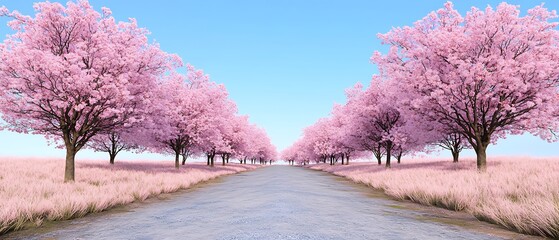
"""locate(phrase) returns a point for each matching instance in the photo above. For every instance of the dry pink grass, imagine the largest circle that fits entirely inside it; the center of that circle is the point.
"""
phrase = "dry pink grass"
(521, 194)
(32, 190)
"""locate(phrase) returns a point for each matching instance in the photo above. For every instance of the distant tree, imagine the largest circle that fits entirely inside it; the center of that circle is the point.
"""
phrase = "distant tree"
(111, 143)
(452, 142)
(181, 113)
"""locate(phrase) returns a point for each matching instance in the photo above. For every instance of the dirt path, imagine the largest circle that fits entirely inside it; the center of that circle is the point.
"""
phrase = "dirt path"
(278, 202)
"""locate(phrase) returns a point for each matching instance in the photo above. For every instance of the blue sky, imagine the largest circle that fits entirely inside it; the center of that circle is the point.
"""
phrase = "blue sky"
(284, 62)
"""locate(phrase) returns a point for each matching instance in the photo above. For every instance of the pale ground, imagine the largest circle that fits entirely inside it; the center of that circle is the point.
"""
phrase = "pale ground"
(278, 202)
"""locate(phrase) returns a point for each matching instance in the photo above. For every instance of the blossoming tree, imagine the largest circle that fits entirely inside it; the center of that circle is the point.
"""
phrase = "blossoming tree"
(490, 73)
(71, 73)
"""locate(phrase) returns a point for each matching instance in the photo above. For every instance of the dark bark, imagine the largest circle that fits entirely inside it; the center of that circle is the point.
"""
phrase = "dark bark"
(112, 158)
(178, 146)
(378, 154)
(185, 153)
(455, 155)
(177, 156)
(479, 144)
(113, 151)
(69, 171)
(211, 156)
(388, 153)
(453, 143)
(113, 146)
(481, 153)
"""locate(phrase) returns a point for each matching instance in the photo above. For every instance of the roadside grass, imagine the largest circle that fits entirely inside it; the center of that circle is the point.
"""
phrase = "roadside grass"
(521, 194)
(33, 191)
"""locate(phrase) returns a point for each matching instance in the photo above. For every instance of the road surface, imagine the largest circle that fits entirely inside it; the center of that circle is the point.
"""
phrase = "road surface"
(277, 202)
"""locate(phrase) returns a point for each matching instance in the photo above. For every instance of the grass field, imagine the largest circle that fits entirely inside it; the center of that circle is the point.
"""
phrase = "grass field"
(32, 190)
(521, 194)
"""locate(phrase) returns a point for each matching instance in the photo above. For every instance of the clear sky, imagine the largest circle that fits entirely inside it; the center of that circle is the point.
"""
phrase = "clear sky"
(284, 62)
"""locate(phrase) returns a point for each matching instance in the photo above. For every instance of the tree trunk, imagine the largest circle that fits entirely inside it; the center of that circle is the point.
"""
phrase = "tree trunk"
(388, 154)
(69, 171)
(481, 153)
(183, 159)
(113, 149)
(112, 158)
(343, 158)
(347, 160)
(208, 157)
(212, 160)
(399, 157)
(455, 155)
(177, 155)
(222, 160)
(378, 154)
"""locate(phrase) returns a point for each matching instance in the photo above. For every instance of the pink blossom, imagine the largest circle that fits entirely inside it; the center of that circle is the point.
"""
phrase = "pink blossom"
(72, 74)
